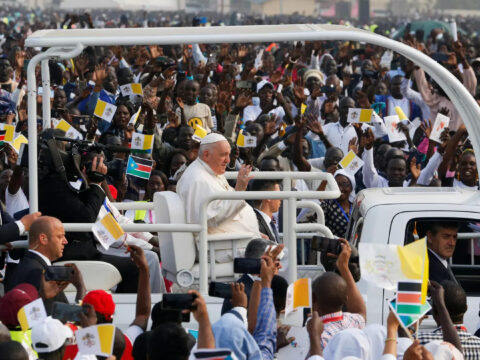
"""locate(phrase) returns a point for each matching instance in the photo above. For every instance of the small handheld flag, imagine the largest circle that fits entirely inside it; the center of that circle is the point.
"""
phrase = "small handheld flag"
(134, 118)
(31, 314)
(131, 89)
(245, 141)
(96, 340)
(400, 113)
(141, 143)
(360, 115)
(408, 320)
(351, 163)
(9, 132)
(17, 142)
(107, 231)
(2, 136)
(199, 133)
(139, 167)
(70, 131)
(303, 107)
(299, 294)
(104, 110)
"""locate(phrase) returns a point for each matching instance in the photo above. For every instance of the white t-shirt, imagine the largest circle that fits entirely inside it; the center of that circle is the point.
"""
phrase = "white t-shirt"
(16, 202)
(251, 113)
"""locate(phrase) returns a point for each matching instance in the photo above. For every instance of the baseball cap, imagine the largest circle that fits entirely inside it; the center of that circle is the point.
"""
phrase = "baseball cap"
(102, 302)
(49, 335)
(14, 300)
(264, 83)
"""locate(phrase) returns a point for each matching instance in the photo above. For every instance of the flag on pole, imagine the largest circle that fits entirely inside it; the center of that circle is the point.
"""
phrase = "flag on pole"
(70, 131)
(351, 163)
(134, 118)
(2, 136)
(386, 265)
(31, 314)
(245, 141)
(408, 320)
(104, 110)
(9, 132)
(139, 167)
(96, 340)
(141, 143)
(409, 297)
(199, 133)
(107, 231)
(299, 294)
(131, 89)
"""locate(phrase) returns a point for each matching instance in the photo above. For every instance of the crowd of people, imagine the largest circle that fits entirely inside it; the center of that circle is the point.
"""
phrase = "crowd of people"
(294, 103)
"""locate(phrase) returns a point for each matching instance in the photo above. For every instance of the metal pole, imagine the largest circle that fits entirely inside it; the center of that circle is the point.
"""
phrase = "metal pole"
(46, 95)
(291, 239)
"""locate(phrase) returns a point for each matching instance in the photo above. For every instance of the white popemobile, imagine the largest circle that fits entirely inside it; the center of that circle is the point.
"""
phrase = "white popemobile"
(380, 215)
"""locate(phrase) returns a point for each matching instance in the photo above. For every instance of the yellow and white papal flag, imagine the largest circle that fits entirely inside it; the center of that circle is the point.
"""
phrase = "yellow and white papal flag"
(70, 131)
(104, 110)
(131, 89)
(96, 340)
(107, 231)
(31, 314)
(299, 294)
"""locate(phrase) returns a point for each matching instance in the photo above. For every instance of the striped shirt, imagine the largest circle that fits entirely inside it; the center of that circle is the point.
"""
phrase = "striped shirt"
(335, 322)
(470, 343)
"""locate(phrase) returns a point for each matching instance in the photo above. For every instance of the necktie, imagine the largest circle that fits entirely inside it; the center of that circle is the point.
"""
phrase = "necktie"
(275, 231)
(450, 272)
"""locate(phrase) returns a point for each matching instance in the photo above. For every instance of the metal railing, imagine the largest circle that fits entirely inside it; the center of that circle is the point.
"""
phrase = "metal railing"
(289, 216)
(472, 237)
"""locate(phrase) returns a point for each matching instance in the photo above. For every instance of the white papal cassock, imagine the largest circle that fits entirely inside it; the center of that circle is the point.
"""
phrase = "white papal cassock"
(224, 216)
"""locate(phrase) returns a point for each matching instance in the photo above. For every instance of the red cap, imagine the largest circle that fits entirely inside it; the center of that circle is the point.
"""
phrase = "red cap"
(102, 302)
(14, 300)
(113, 191)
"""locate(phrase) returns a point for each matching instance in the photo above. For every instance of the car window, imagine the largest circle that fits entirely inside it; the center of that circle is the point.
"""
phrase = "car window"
(465, 262)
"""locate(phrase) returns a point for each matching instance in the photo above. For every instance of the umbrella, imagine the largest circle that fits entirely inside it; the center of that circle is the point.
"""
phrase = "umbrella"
(427, 26)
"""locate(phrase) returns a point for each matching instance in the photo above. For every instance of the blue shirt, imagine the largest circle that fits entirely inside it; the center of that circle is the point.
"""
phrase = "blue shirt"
(265, 333)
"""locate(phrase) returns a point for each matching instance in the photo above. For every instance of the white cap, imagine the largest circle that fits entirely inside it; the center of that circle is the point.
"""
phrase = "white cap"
(49, 335)
(262, 84)
(212, 138)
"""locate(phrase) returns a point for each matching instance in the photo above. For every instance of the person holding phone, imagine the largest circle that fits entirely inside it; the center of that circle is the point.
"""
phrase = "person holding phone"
(46, 244)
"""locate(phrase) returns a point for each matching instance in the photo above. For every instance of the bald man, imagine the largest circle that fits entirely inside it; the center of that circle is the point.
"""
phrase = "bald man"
(204, 177)
(46, 243)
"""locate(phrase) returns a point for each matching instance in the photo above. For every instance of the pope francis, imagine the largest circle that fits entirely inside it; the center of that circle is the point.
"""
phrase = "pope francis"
(204, 177)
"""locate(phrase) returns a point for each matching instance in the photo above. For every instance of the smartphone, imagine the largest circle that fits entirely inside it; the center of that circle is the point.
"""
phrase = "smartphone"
(440, 57)
(243, 84)
(58, 273)
(246, 266)
(22, 159)
(328, 89)
(324, 244)
(178, 301)
(67, 312)
(80, 119)
(221, 290)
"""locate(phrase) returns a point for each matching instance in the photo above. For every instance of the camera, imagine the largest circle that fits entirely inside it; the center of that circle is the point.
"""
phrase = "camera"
(67, 157)
(178, 301)
(246, 266)
(326, 245)
(221, 290)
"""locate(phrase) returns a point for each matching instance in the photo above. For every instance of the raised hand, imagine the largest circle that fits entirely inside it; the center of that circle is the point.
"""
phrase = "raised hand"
(243, 178)
(100, 73)
(353, 145)
(427, 128)
(367, 139)
(415, 169)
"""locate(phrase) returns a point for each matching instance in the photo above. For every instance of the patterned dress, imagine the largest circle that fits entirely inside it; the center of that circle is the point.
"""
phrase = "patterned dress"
(335, 217)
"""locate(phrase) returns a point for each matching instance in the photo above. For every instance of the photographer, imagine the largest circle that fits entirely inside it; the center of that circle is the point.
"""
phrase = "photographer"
(58, 199)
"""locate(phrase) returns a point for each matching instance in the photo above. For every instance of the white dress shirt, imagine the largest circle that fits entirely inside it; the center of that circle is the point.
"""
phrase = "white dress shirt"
(44, 258)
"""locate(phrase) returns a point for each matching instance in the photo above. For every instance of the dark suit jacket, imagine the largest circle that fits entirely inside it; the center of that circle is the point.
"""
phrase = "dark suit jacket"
(56, 199)
(8, 230)
(248, 282)
(264, 227)
(30, 270)
(437, 271)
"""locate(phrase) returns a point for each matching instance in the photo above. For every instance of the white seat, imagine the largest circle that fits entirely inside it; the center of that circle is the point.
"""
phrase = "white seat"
(97, 275)
(179, 249)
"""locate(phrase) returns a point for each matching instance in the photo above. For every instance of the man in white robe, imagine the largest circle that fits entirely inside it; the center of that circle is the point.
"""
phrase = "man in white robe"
(204, 177)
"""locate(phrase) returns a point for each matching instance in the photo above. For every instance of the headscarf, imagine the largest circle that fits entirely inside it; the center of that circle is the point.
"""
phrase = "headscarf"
(349, 342)
(376, 334)
(351, 178)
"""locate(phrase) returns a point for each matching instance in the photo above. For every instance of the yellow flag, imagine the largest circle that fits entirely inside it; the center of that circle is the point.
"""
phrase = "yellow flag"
(199, 133)
(414, 263)
(9, 132)
(303, 107)
(17, 143)
(299, 294)
(112, 226)
(400, 113)
(366, 115)
(31, 314)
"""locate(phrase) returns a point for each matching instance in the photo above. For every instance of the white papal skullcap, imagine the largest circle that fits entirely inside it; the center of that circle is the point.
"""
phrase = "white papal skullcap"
(212, 138)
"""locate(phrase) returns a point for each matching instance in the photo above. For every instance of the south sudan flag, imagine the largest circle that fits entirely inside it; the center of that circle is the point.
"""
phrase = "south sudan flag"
(139, 167)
